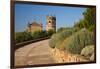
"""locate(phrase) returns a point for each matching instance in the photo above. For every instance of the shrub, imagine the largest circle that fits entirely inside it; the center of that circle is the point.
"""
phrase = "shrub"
(73, 29)
(50, 32)
(61, 36)
(36, 34)
(22, 36)
(88, 51)
(26, 36)
(60, 29)
(58, 38)
(52, 41)
(78, 41)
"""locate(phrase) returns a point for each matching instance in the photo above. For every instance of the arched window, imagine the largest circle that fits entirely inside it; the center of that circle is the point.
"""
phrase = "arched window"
(49, 21)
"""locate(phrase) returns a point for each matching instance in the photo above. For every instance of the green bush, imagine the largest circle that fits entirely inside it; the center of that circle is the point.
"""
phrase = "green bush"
(58, 38)
(60, 29)
(38, 34)
(50, 32)
(88, 21)
(78, 41)
(73, 29)
(22, 36)
(88, 51)
(52, 41)
(26, 36)
(61, 36)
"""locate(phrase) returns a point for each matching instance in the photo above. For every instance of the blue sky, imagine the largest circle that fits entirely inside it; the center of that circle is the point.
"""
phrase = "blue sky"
(65, 16)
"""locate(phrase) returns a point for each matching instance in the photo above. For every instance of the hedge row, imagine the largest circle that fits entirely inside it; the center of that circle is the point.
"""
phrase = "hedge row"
(26, 36)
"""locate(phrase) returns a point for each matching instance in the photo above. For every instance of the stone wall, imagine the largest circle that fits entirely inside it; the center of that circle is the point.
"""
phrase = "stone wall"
(62, 57)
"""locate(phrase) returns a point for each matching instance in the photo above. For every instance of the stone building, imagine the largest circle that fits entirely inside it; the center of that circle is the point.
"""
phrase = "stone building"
(34, 26)
(50, 23)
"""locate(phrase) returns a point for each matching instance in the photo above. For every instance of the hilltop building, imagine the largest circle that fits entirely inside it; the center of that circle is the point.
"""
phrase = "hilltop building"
(34, 26)
(50, 23)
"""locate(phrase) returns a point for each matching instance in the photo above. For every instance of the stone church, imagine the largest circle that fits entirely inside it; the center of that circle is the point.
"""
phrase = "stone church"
(50, 25)
(34, 26)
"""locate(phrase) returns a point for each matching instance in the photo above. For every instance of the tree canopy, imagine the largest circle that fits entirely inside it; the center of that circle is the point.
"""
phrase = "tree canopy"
(89, 19)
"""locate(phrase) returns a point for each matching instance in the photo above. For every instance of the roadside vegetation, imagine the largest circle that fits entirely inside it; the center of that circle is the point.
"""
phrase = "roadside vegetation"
(26, 36)
(78, 39)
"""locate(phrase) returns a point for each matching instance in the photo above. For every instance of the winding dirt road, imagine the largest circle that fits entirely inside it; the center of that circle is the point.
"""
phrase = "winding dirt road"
(35, 53)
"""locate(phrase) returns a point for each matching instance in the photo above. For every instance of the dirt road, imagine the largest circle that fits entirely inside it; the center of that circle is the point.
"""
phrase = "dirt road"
(35, 53)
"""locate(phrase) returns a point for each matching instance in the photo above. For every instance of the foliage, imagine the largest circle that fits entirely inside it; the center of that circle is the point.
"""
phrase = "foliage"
(58, 37)
(26, 36)
(22, 36)
(38, 34)
(89, 19)
(87, 51)
(60, 29)
(79, 24)
(78, 41)
(50, 32)
(52, 41)
(73, 39)
(61, 36)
